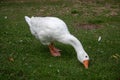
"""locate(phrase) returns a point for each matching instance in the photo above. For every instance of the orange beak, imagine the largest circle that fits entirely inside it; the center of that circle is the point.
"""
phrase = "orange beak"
(86, 63)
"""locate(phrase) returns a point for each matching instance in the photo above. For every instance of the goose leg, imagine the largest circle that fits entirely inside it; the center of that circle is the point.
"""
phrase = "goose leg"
(54, 51)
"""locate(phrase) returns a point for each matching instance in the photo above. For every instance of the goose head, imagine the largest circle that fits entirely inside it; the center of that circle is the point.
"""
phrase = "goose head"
(83, 58)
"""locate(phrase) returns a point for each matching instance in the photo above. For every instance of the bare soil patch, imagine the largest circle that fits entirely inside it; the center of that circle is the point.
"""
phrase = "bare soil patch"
(88, 26)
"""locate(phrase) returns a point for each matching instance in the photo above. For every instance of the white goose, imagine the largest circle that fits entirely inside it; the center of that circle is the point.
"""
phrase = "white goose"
(50, 29)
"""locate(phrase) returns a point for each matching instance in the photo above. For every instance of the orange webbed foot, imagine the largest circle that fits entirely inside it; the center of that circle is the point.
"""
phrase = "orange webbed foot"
(54, 51)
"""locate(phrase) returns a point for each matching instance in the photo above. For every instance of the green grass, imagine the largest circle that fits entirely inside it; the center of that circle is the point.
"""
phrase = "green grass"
(22, 57)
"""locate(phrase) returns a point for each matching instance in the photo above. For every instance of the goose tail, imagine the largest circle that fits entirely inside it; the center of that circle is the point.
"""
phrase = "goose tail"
(27, 19)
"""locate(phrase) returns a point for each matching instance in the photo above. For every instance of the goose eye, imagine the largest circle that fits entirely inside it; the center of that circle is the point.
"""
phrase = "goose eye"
(85, 56)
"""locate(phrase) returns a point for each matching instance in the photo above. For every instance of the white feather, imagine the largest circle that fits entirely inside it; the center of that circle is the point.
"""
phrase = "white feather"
(99, 38)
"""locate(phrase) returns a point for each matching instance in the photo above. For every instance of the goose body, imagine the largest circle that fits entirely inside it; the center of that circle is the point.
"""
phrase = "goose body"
(50, 29)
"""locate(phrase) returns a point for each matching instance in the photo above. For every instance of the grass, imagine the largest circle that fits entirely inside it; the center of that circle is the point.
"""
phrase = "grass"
(22, 57)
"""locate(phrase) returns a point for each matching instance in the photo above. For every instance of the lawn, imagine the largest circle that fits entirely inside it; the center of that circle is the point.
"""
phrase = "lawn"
(22, 57)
